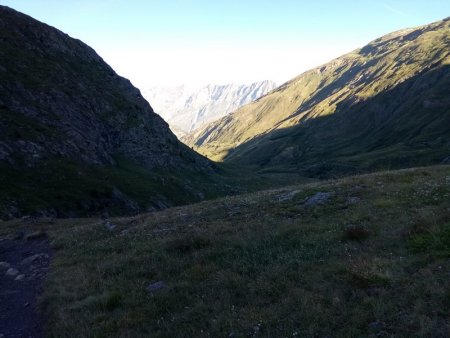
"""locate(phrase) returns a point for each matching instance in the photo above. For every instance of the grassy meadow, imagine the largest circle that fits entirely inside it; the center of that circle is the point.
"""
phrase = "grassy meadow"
(363, 256)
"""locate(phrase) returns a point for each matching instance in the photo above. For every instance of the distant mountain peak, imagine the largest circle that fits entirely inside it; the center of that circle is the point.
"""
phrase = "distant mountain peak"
(186, 109)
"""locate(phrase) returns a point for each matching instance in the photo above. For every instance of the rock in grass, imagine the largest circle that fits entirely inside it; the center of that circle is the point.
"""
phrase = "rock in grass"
(109, 225)
(12, 272)
(353, 200)
(287, 196)
(125, 232)
(318, 198)
(19, 277)
(34, 258)
(4, 265)
(28, 219)
(154, 287)
(36, 235)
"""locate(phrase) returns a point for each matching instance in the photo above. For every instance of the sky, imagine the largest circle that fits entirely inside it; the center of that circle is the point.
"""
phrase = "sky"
(195, 42)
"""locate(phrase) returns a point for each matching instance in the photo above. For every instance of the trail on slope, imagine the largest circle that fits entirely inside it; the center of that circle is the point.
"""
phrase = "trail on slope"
(24, 263)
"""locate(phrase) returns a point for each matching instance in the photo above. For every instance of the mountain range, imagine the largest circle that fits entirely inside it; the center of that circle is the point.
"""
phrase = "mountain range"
(77, 139)
(358, 256)
(382, 106)
(188, 108)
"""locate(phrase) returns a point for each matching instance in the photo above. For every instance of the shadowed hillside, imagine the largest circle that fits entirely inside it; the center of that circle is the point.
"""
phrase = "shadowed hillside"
(385, 105)
(376, 134)
(77, 138)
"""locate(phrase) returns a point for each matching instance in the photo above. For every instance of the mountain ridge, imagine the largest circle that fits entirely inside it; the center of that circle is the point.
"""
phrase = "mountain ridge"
(68, 120)
(186, 109)
(339, 87)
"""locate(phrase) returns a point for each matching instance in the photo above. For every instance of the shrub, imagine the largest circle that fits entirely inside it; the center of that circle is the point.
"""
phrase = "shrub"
(188, 244)
(355, 233)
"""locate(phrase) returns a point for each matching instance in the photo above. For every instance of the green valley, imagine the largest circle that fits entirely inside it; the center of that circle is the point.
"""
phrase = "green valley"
(320, 209)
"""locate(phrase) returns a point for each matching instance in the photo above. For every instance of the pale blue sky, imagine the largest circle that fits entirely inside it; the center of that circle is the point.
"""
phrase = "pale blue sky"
(198, 41)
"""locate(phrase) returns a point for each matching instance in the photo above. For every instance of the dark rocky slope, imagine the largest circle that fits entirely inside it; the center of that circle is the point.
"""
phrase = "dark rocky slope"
(71, 128)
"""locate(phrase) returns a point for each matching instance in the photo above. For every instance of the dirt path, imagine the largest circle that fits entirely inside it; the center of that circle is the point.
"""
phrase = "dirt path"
(24, 263)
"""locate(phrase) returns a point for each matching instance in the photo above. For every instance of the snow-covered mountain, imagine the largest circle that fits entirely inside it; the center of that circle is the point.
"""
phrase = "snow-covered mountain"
(186, 109)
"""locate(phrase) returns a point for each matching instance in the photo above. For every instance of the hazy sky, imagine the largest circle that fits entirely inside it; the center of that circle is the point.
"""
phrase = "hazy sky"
(197, 41)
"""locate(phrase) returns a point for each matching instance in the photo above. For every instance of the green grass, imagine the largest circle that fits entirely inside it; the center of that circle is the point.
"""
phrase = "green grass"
(263, 265)
(67, 186)
(71, 188)
(433, 240)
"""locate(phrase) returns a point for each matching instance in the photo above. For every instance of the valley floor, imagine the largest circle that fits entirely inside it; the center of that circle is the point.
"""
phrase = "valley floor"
(360, 256)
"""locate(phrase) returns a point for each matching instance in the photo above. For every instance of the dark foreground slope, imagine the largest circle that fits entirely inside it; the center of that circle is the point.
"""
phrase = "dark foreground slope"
(386, 105)
(364, 256)
(74, 136)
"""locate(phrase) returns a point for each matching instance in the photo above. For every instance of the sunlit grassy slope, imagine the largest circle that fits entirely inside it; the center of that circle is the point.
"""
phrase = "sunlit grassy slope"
(383, 106)
(371, 260)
